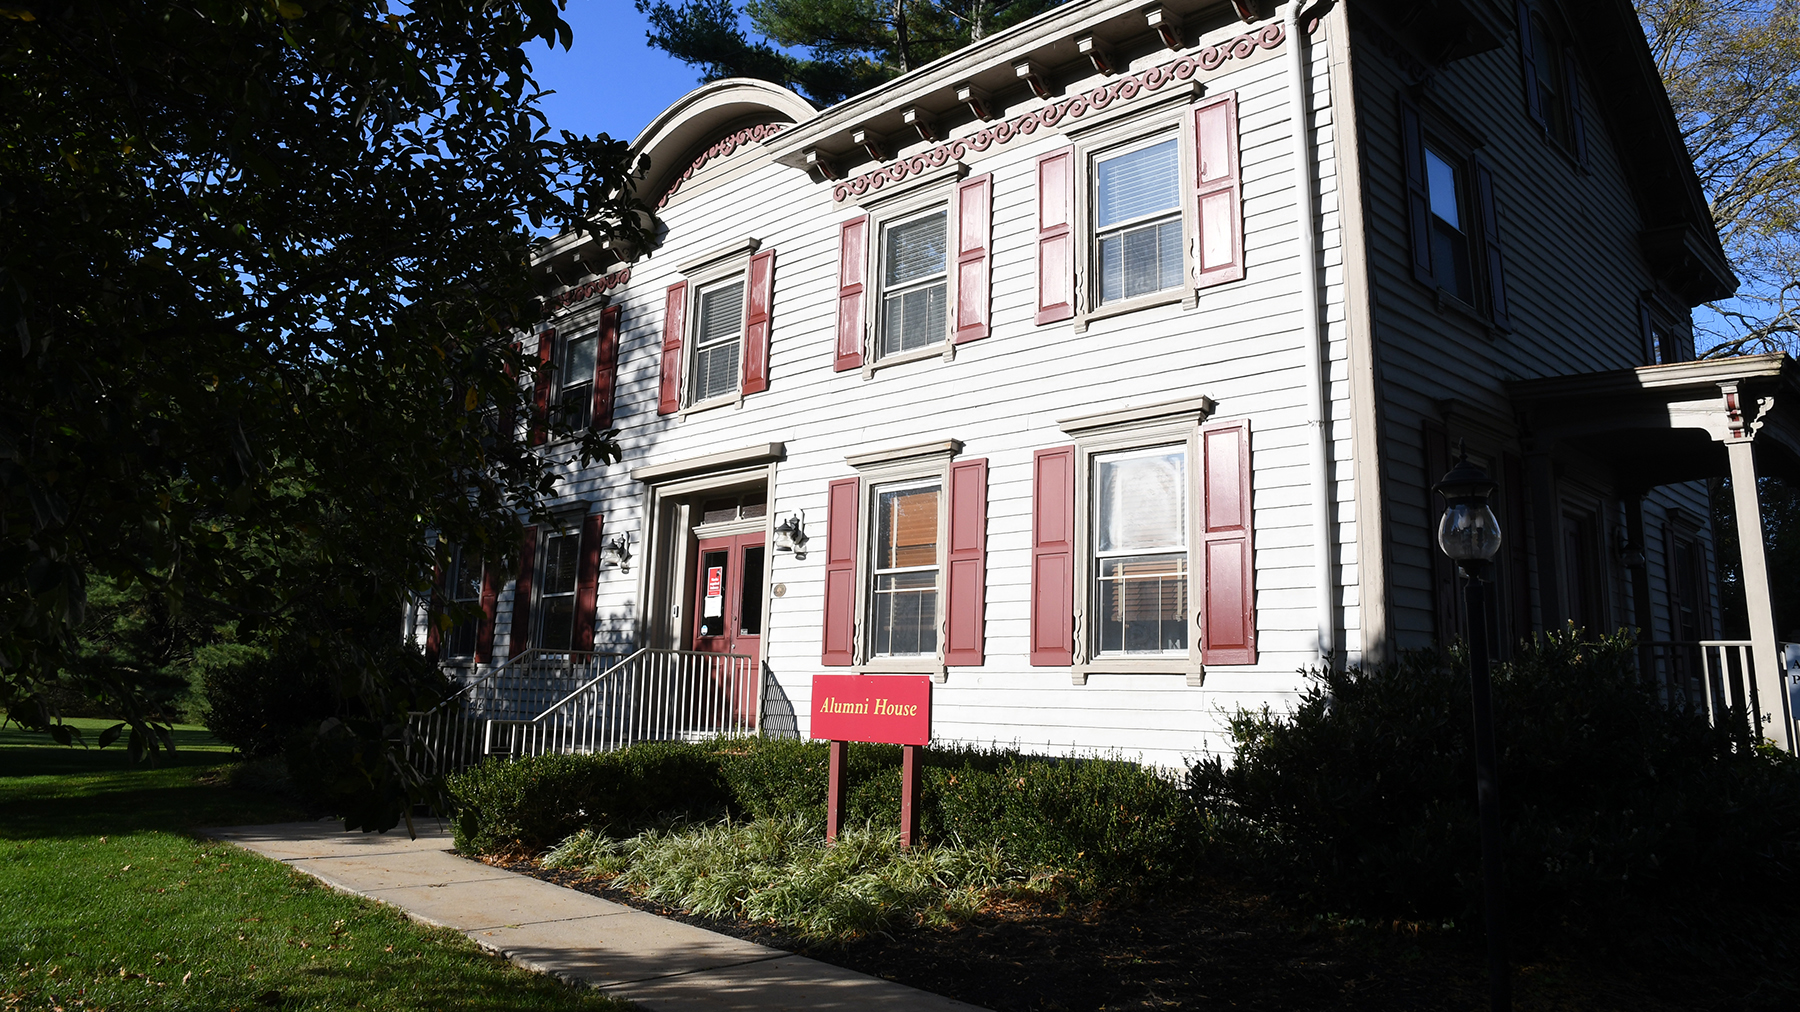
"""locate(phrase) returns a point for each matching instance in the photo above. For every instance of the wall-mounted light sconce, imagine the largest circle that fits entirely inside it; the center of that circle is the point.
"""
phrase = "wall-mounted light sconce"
(616, 554)
(790, 534)
(1631, 555)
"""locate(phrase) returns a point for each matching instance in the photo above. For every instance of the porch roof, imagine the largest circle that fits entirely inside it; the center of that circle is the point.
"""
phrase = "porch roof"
(1660, 424)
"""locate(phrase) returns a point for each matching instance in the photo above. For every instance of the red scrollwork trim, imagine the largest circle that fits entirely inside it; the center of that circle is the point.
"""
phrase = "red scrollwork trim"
(723, 149)
(582, 293)
(1207, 58)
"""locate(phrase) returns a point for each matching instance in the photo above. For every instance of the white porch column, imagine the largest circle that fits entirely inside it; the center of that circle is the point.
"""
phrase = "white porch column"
(1772, 702)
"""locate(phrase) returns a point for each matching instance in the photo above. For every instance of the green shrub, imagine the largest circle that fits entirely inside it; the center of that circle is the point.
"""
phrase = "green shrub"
(1625, 821)
(1111, 822)
(779, 870)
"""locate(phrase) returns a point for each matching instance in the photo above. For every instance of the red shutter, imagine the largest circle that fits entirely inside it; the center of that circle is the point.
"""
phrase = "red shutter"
(1219, 196)
(674, 325)
(974, 224)
(757, 293)
(546, 379)
(1053, 557)
(1577, 129)
(853, 252)
(1056, 237)
(1647, 332)
(606, 368)
(521, 603)
(1418, 198)
(587, 582)
(840, 573)
(490, 599)
(1228, 622)
(966, 586)
(1443, 571)
(1534, 102)
(1490, 240)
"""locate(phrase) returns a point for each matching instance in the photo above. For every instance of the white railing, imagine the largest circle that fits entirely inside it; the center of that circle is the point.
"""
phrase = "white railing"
(448, 737)
(1714, 677)
(653, 695)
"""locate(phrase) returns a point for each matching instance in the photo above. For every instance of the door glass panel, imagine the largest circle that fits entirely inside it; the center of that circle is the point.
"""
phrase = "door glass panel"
(750, 604)
(712, 593)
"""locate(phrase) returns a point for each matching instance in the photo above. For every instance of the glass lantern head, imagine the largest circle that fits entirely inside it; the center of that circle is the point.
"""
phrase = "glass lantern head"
(1468, 530)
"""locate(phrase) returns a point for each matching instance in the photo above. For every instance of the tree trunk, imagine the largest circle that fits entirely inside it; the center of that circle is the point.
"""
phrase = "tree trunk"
(977, 20)
(900, 37)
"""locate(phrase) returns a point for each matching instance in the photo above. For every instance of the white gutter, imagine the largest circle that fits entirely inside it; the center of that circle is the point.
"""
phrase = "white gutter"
(1318, 395)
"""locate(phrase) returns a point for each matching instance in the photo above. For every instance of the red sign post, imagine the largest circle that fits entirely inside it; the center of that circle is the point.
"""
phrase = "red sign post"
(892, 709)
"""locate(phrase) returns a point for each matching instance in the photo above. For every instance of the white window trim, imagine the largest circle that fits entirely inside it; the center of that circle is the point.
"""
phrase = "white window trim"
(909, 205)
(922, 462)
(1118, 137)
(704, 272)
(1176, 423)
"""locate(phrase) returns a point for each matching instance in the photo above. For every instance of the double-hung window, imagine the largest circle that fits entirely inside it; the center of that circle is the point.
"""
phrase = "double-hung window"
(718, 341)
(915, 282)
(715, 344)
(1140, 545)
(556, 598)
(464, 591)
(906, 561)
(903, 595)
(1137, 221)
(1552, 81)
(1450, 246)
(1452, 215)
(575, 375)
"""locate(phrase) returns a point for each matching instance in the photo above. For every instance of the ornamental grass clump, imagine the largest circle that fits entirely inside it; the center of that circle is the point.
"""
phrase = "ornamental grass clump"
(780, 871)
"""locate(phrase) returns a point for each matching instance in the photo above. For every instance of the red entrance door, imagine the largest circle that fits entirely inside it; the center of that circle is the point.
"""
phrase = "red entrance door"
(728, 595)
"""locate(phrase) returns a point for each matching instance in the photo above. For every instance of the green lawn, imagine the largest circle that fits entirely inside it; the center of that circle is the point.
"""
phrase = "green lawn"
(108, 902)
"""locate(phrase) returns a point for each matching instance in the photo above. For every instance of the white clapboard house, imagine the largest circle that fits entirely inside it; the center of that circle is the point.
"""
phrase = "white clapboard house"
(1101, 370)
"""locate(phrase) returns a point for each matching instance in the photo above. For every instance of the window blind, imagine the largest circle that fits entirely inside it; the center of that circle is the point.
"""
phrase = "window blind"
(1142, 502)
(716, 344)
(914, 250)
(1138, 184)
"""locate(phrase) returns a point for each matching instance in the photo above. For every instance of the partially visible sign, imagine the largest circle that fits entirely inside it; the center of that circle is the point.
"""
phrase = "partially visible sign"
(714, 604)
(894, 709)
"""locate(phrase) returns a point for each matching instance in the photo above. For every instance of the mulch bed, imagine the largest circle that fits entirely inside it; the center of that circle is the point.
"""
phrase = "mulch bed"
(1217, 946)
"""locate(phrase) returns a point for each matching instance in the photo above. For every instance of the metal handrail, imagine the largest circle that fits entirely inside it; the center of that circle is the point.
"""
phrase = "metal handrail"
(652, 695)
(448, 736)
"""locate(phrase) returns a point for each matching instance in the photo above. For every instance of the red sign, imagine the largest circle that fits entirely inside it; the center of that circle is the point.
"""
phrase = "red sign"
(715, 581)
(895, 709)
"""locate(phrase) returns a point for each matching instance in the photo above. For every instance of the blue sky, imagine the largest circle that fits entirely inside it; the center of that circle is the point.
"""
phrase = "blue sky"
(610, 81)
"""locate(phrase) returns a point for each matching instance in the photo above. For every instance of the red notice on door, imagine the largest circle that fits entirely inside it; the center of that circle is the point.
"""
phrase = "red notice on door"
(894, 709)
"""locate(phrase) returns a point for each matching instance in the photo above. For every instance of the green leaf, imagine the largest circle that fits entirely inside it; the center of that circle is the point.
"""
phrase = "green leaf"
(110, 735)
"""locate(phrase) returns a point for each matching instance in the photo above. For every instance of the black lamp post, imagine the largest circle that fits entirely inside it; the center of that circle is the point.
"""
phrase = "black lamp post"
(1469, 534)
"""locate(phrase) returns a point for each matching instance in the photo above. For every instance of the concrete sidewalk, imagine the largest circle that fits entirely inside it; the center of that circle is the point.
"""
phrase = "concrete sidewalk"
(662, 964)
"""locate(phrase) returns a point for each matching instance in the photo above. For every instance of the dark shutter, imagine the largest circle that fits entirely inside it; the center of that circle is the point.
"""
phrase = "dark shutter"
(974, 224)
(1647, 332)
(521, 603)
(1490, 241)
(606, 368)
(1219, 247)
(1528, 57)
(1577, 129)
(587, 582)
(668, 396)
(546, 380)
(1418, 196)
(966, 585)
(1443, 571)
(1228, 623)
(509, 407)
(490, 599)
(853, 253)
(1518, 561)
(1053, 557)
(757, 293)
(840, 573)
(1056, 237)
